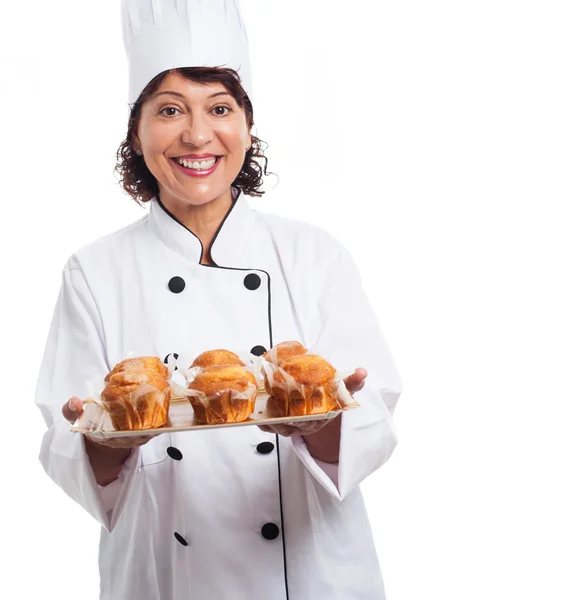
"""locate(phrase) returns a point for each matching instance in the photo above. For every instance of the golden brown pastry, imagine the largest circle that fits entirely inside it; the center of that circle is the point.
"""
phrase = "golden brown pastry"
(222, 386)
(140, 363)
(217, 357)
(312, 389)
(137, 394)
(308, 369)
(285, 350)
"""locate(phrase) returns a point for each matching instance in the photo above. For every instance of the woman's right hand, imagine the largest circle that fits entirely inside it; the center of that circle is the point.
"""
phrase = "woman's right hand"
(73, 409)
(106, 455)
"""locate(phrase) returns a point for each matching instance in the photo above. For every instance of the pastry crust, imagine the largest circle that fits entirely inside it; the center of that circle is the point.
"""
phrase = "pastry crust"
(140, 363)
(229, 394)
(137, 394)
(309, 369)
(312, 389)
(283, 351)
(211, 358)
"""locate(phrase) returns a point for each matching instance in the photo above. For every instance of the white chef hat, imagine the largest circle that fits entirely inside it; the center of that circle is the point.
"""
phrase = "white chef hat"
(169, 34)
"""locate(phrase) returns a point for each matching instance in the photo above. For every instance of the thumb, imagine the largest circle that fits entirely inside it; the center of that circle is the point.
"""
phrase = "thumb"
(72, 409)
(355, 383)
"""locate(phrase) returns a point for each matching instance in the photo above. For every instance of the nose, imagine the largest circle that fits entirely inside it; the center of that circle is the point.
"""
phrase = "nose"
(198, 131)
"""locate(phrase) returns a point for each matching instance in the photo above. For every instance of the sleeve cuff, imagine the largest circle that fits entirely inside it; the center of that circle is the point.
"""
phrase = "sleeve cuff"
(330, 469)
(110, 493)
(327, 474)
(368, 437)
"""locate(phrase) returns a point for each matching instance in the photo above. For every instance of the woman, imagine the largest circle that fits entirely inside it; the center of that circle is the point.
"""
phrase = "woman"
(236, 513)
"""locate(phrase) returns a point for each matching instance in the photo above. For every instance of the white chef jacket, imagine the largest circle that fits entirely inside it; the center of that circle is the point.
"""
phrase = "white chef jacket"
(235, 513)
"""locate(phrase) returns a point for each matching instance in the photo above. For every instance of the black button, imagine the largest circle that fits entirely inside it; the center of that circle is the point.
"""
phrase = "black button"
(180, 539)
(270, 531)
(264, 448)
(258, 350)
(252, 281)
(174, 453)
(166, 359)
(176, 285)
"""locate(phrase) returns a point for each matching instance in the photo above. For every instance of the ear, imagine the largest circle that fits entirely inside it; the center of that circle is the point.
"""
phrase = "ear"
(136, 145)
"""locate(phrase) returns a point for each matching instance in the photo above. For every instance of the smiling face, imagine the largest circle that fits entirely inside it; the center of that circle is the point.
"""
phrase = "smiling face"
(194, 139)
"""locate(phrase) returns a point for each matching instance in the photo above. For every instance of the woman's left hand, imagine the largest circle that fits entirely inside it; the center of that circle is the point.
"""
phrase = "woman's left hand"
(353, 383)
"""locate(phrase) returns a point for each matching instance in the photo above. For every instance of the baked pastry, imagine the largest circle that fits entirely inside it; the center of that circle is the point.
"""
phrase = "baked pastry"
(217, 357)
(140, 363)
(137, 394)
(302, 385)
(283, 351)
(226, 394)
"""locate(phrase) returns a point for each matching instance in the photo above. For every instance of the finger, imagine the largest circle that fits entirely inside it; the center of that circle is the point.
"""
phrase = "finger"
(133, 442)
(265, 428)
(72, 409)
(120, 442)
(314, 427)
(129, 442)
(356, 382)
(304, 426)
(276, 428)
(287, 430)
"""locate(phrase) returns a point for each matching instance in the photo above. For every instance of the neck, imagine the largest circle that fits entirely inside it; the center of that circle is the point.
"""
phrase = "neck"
(202, 220)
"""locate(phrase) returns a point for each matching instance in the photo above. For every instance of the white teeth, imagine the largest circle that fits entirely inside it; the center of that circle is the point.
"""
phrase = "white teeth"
(195, 164)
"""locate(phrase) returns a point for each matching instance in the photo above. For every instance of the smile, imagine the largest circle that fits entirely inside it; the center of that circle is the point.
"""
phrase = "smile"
(197, 168)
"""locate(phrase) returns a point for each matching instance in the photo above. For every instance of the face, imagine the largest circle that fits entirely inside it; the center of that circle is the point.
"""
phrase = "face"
(194, 139)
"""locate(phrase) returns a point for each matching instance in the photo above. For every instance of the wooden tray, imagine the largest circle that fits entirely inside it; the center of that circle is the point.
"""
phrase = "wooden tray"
(181, 418)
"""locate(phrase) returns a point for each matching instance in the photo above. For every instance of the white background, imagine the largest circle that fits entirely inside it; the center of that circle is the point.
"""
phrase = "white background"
(441, 142)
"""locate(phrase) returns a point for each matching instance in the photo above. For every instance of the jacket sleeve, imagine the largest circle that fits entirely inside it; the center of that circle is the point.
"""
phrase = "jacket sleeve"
(348, 334)
(74, 355)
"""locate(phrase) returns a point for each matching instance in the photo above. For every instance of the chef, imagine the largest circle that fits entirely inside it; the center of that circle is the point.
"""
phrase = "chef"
(235, 513)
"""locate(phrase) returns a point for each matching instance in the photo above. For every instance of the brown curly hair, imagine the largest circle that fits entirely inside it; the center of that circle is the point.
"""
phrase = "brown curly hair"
(138, 181)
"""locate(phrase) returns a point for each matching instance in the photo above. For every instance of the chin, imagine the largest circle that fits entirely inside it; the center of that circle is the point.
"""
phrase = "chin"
(201, 196)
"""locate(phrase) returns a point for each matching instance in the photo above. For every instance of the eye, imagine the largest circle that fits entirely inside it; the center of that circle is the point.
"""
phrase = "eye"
(222, 107)
(162, 111)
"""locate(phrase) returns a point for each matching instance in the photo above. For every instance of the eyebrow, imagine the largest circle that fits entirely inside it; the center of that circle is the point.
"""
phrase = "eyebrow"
(182, 96)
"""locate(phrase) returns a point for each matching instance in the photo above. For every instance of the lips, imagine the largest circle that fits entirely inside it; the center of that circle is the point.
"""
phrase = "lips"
(197, 172)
